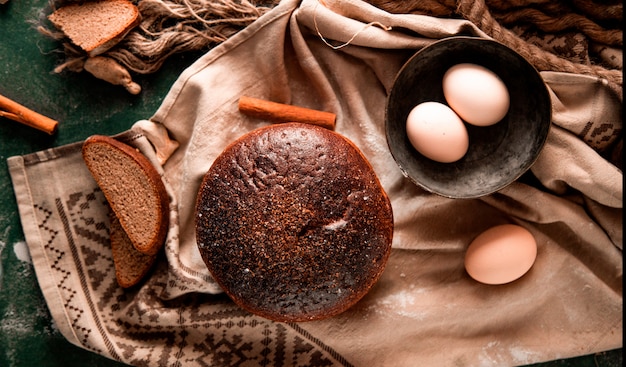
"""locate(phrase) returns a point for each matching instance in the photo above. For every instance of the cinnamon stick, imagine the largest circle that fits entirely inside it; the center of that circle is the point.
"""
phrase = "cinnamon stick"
(16, 112)
(279, 112)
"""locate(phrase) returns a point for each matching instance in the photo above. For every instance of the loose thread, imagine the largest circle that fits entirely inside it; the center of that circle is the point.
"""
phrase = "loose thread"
(337, 47)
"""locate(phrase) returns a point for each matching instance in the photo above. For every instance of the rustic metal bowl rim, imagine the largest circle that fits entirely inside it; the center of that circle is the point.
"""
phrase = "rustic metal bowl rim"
(522, 75)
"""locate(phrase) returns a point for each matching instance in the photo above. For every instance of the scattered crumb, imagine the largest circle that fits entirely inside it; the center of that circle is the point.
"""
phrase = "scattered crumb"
(22, 252)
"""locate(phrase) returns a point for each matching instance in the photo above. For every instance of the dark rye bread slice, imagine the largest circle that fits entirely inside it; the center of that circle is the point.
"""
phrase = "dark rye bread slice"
(131, 266)
(133, 189)
(96, 25)
(293, 223)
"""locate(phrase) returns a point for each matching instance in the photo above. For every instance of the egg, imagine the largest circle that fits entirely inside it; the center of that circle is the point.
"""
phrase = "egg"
(437, 132)
(476, 94)
(501, 254)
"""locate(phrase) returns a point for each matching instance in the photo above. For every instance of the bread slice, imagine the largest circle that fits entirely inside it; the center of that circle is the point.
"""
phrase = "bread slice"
(97, 25)
(133, 188)
(131, 266)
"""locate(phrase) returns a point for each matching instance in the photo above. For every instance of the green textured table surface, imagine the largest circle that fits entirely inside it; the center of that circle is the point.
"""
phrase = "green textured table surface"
(83, 106)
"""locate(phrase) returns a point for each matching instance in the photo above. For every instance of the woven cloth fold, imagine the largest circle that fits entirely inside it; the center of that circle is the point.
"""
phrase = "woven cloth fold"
(342, 57)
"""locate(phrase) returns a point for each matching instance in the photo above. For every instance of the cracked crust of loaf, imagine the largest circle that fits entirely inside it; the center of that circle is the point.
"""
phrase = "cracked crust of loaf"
(133, 189)
(293, 223)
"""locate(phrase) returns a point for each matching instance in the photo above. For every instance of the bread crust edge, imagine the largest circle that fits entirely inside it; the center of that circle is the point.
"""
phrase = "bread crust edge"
(153, 177)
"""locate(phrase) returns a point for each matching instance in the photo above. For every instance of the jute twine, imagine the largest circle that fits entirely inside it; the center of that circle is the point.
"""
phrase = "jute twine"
(170, 27)
(477, 12)
(599, 24)
(549, 16)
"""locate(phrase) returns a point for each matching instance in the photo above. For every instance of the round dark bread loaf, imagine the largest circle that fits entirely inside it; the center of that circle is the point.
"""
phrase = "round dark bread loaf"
(293, 223)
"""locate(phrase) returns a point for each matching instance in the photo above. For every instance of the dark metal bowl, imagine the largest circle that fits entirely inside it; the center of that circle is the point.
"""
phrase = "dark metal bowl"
(498, 154)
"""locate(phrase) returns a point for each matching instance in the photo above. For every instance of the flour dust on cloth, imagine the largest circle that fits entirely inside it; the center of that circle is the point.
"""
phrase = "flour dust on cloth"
(425, 310)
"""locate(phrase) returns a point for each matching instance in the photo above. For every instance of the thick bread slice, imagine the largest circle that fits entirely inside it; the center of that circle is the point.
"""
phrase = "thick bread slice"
(97, 25)
(130, 265)
(133, 188)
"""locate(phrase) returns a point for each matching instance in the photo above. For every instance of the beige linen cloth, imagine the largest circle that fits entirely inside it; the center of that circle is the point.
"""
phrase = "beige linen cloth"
(425, 310)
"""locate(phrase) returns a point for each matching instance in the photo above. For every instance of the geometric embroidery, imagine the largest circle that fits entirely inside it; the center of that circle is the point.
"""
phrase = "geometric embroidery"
(140, 328)
(599, 136)
(569, 45)
(573, 46)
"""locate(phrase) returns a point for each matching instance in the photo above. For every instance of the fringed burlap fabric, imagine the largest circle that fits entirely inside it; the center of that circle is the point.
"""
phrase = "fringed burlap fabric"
(553, 35)
(168, 27)
(342, 56)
